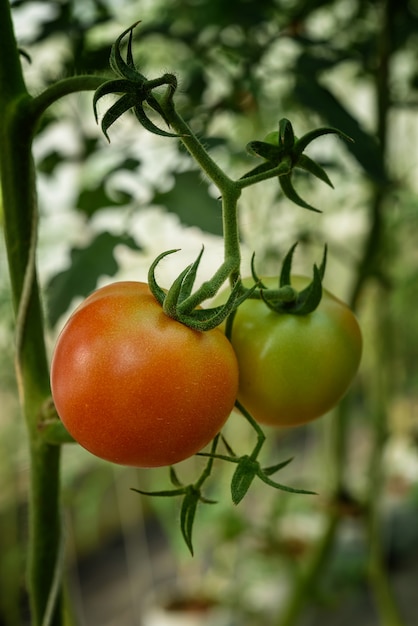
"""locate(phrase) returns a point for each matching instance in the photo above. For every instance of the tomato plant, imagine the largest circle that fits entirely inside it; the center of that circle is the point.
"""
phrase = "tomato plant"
(294, 368)
(136, 387)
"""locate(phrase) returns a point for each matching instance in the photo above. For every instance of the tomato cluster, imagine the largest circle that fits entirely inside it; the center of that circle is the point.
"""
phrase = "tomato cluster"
(135, 387)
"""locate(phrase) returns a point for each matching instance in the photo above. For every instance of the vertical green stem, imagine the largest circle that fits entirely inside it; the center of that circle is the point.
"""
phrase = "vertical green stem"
(379, 399)
(380, 393)
(230, 190)
(301, 594)
(19, 207)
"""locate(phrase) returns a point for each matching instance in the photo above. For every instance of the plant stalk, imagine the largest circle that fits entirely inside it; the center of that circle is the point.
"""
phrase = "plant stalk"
(19, 210)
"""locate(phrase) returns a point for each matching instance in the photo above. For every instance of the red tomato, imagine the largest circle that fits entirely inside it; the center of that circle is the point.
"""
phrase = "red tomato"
(134, 386)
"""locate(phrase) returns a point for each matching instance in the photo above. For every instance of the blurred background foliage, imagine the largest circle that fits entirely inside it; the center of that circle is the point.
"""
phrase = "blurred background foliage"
(107, 211)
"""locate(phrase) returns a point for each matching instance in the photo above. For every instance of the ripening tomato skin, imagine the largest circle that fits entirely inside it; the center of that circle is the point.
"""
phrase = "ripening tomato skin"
(136, 387)
(294, 369)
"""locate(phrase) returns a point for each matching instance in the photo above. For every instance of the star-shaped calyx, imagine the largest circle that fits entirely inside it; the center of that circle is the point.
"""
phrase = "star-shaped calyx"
(283, 151)
(136, 90)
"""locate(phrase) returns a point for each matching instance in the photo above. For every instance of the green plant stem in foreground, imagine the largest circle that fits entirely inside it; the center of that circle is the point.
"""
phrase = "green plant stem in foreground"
(18, 190)
(19, 115)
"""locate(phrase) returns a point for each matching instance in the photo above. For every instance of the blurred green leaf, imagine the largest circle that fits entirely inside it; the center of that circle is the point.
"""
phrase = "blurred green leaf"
(365, 148)
(80, 279)
(95, 198)
(190, 200)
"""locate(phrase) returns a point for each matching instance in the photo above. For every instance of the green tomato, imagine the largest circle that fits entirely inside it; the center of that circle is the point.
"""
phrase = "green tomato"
(294, 368)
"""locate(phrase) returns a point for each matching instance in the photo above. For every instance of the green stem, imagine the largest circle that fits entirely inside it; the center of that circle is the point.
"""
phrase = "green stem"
(19, 206)
(370, 267)
(198, 151)
(230, 192)
(248, 181)
(19, 115)
(261, 437)
(301, 593)
(60, 89)
(380, 398)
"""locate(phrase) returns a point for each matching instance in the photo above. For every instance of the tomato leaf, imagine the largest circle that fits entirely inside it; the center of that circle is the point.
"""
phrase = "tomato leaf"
(189, 199)
(86, 266)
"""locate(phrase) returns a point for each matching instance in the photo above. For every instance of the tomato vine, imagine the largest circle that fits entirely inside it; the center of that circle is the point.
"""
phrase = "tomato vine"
(21, 113)
(281, 152)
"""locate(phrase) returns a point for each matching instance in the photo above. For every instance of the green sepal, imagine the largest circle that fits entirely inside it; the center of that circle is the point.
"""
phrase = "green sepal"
(310, 136)
(155, 105)
(307, 164)
(115, 112)
(135, 89)
(116, 61)
(171, 299)
(254, 274)
(144, 120)
(308, 299)
(187, 516)
(282, 150)
(323, 265)
(286, 136)
(110, 87)
(174, 479)
(266, 150)
(165, 493)
(289, 191)
(179, 303)
(285, 299)
(208, 319)
(227, 446)
(302, 303)
(259, 169)
(271, 483)
(129, 56)
(268, 471)
(286, 270)
(158, 293)
(243, 477)
(190, 277)
(248, 468)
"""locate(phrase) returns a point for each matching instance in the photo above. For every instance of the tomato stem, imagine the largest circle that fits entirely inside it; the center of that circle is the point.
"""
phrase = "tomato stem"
(20, 114)
(259, 432)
